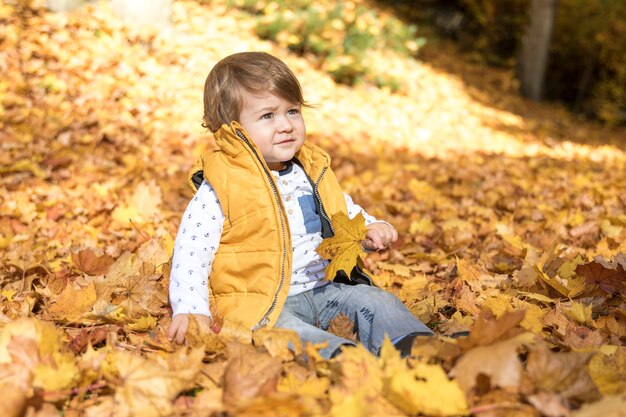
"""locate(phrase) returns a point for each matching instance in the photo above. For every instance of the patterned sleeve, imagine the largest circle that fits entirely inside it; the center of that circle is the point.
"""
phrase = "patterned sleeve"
(354, 209)
(197, 241)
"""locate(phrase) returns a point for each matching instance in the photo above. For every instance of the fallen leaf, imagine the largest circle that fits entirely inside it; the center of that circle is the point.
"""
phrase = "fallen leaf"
(248, 376)
(579, 312)
(350, 405)
(38, 346)
(611, 277)
(87, 337)
(608, 372)
(143, 324)
(73, 303)
(571, 287)
(499, 361)
(283, 344)
(486, 331)
(425, 389)
(312, 386)
(90, 263)
(564, 373)
(147, 387)
(342, 326)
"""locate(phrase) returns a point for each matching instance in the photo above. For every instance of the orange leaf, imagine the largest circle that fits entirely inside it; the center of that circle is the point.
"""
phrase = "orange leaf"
(611, 277)
(91, 264)
(486, 331)
(342, 326)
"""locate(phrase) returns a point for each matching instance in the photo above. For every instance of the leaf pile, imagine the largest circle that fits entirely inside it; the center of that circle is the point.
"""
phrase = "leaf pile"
(511, 217)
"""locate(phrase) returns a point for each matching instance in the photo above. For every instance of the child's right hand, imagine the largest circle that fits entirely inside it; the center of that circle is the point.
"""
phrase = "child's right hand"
(180, 324)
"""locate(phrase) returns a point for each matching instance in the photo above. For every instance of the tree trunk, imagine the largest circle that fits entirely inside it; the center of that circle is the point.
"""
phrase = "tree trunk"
(535, 48)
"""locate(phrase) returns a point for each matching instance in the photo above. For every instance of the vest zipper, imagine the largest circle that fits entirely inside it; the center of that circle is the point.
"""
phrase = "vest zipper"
(265, 318)
(319, 200)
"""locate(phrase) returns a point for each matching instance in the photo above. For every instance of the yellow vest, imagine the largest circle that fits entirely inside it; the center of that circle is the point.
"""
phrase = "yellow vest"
(251, 273)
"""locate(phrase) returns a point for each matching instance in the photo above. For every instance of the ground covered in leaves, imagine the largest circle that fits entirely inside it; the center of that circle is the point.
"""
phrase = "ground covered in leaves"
(511, 216)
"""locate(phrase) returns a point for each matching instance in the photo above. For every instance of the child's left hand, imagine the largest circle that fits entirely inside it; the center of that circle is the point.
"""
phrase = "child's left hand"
(379, 235)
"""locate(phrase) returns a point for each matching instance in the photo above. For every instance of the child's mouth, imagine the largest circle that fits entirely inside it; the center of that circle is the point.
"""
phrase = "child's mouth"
(286, 141)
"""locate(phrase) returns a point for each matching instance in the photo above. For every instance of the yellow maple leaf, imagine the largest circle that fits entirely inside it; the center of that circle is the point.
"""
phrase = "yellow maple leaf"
(143, 324)
(578, 311)
(499, 304)
(73, 303)
(427, 390)
(313, 386)
(607, 371)
(344, 248)
(356, 365)
(567, 287)
(61, 375)
(423, 388)
(9, 294)
(131, 284)
(277, 342)
(413, 289)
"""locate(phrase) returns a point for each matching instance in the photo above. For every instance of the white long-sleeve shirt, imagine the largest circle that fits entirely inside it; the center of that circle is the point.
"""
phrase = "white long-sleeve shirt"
(200, 231)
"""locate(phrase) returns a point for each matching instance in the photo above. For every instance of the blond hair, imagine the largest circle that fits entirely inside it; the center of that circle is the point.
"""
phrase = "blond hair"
(255, 72)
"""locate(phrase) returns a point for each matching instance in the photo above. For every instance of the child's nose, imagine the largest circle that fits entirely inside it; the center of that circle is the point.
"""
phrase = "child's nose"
(285, 125)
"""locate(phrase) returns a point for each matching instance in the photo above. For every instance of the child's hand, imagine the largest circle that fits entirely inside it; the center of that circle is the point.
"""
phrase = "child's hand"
(379, 235)
(180, 324)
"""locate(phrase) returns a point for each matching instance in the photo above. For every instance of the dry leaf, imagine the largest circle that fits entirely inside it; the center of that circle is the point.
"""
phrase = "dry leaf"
(88, 262)
(248, 376)
(342, 326)
(73, 303)
(560, 372)
(145, 387)
(607, 372)
(611, 277)
(283, 344)
(499, 361)
(486, 331)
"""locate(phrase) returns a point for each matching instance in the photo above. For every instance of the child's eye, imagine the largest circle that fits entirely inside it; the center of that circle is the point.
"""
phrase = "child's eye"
(293, 111)
(268, 116)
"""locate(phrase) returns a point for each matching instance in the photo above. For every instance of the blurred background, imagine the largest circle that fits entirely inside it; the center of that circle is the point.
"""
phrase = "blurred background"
(570, 51)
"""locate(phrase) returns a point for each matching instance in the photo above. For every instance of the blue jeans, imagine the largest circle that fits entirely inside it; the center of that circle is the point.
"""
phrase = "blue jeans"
(375, 312)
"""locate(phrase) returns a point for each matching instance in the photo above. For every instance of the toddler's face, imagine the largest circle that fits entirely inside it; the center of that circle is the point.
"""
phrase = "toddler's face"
(275, 125)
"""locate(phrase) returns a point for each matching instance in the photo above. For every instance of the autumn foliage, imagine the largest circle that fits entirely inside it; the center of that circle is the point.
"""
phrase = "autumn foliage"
(511, 216)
